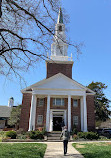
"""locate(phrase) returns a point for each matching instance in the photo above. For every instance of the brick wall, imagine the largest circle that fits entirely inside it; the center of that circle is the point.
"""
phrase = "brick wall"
(25, 111)
(41, 110)
(90, 113)
(75, 111)
(55, 68)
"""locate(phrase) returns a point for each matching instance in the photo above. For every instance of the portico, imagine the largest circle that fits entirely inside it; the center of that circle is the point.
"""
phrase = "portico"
(65, 113)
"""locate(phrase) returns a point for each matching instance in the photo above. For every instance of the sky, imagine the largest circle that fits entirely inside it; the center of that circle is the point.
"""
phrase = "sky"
(90, 23)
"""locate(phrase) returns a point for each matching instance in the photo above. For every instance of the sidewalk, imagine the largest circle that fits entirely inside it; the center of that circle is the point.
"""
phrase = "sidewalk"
(55, 150)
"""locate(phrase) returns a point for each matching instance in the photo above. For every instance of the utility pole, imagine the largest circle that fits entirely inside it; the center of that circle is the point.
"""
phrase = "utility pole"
(0, 8)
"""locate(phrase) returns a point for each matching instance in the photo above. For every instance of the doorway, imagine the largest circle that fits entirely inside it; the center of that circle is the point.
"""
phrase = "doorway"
(57, 123)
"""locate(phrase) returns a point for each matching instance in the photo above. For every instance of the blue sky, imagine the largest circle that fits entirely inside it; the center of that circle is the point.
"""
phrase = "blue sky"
(90, 22)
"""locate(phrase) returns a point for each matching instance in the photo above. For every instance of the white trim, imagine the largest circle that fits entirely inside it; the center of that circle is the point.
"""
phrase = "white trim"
(32, 113)
(53, 111)
(69, 113)
(82, 114)
(61, 92)
(85, 113)
(47, 114)
(55, 76)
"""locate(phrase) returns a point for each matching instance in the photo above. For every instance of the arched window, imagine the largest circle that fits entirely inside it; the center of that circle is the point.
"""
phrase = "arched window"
(60, 28)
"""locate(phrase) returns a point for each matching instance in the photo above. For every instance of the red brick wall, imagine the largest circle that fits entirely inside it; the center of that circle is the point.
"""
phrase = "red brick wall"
(25, 111)
(41, 110)
(75, 111)
(90, 113)
(55, 68)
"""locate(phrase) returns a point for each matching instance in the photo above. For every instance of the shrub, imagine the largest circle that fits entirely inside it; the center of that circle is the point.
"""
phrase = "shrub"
(88, 135)
(36, 134)
(11, 134)
(74, 131)
(75, 137)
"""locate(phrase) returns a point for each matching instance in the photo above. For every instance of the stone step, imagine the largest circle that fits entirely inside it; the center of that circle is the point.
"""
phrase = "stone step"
(53, 138)
(54, 135)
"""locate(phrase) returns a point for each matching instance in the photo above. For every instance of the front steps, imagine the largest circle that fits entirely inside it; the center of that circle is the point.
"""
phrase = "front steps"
(54, 136)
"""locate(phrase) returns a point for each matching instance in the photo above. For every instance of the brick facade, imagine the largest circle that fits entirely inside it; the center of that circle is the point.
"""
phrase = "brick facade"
(25, 111)
(42, 110)
(90, 113)
(55, 68)
(75, 111)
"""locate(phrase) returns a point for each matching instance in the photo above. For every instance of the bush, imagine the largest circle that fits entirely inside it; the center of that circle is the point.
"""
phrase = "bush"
(36, 134)
(75, 137)
(11, 134)
(74, 131)
(88, 135)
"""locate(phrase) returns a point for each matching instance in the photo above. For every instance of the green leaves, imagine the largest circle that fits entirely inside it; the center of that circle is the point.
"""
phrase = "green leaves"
(101, 101)
(15, 116)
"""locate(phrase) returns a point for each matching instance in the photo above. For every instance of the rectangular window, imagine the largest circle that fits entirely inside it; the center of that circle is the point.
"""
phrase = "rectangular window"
(75, 120)
(75, 103)
(58, 101)
(40, 120)
(41, 102)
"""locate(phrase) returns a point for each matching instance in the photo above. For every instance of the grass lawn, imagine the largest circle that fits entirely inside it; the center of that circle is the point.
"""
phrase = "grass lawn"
(22, 150)
(94, 150)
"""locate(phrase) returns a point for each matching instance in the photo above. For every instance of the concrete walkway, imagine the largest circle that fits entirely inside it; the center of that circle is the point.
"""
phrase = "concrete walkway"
(55, 150)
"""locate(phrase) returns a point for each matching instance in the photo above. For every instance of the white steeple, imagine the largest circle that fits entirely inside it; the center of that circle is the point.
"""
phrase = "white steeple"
(11, 102)
(59, 46)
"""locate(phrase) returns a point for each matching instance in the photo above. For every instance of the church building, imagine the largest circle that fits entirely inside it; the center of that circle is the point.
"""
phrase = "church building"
(58, 98)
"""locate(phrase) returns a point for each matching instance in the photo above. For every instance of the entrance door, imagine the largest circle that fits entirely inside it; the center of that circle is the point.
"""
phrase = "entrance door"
(57, 123)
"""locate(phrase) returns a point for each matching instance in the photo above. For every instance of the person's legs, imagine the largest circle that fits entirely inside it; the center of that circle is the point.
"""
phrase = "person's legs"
(64, 142)
(66, 145)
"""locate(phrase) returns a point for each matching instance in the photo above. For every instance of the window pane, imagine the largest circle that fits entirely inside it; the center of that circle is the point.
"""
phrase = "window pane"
(75, 102)
(53, 101)
(75, 120)
(41, 102)
(40, 119)
(63, 102)
(58, 101)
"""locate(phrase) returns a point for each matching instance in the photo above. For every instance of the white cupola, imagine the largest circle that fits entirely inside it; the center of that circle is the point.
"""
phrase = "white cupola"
(11, 102)
(59, 46)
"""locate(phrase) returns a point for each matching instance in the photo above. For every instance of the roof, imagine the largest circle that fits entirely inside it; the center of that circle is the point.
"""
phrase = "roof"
(5, 111)
(60, 16)
(58, 81)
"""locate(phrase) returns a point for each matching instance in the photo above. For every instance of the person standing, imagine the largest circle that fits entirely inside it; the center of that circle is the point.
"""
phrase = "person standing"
(65, 136)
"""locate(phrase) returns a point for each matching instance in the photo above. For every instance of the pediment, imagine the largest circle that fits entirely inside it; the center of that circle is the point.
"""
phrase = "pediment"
(58, 81)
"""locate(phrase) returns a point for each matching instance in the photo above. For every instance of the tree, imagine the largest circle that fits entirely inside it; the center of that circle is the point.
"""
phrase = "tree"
(15, 116)
(26, 31)
(101, 101)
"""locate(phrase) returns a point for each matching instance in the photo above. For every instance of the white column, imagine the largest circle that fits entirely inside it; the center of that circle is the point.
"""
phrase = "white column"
(69, 113)
(48, 113)
(51, 123)
(32, 113)
(85, 113)
(65, 118)
(82, 114)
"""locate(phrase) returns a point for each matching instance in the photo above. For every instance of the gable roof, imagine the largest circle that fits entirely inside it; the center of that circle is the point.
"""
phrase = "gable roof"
(58, 81)
(5, 111)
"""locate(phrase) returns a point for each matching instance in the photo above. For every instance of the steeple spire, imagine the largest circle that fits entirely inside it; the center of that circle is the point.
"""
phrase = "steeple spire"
(60, 16)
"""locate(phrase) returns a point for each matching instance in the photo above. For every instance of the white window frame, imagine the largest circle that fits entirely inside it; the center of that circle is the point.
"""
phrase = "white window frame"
(41, 103)
(75, 120)
(74, 104)
(62, 102)
(38, 121)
